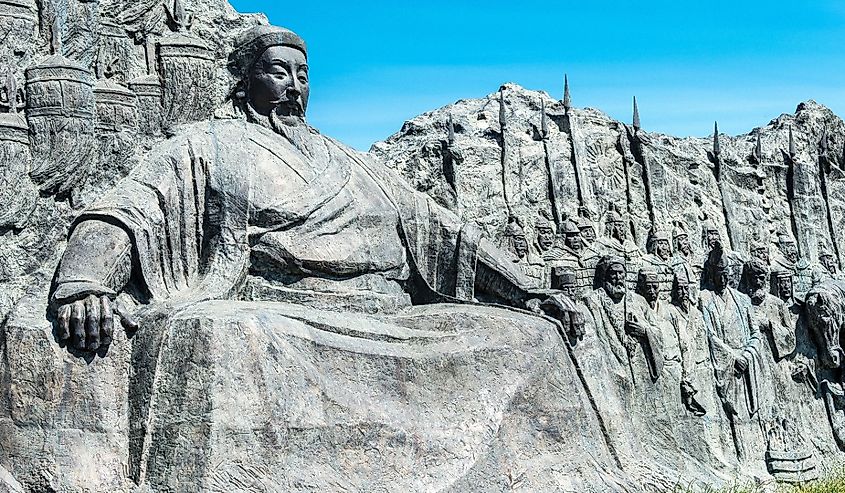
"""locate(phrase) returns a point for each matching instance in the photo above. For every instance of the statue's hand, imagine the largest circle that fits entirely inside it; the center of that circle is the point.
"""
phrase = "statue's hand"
(635, 329)
(741, 364)
(88, 324)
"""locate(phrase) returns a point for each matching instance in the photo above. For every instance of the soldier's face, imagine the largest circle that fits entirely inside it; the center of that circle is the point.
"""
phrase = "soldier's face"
(758, 281)
(573, 241)
(651, 290)
(683, 245)
(520, 246)
(588, 235)
(279, 82)
(682, 294)
(761, 254)
(790, 251)
(662, 249)
(545, 238)
(713, 238)
(614, 282)
(722, 279)
(617, 230)
(785, 288)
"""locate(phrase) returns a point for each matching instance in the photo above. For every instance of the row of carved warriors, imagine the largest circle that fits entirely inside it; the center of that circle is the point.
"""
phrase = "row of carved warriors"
(571, 255)
(750, 336)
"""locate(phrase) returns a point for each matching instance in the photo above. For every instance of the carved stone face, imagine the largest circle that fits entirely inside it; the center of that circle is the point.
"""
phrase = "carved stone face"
(784, 288)
(789, 250)
(616, 229)
(650, 290)
(614, 281)
(722, 278)
(519, 245)
(588, 235)
(712, 238)
(279, 82)
(573, 241)
(662, 249)
(683, 245)
(545, 238)
(682, 295)
(829, 263)
(757, 281)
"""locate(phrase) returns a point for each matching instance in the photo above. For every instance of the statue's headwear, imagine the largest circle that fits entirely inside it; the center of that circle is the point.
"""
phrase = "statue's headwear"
(566, 278)
(645, 276)
(514, 228)
(569, 227)
(611, 260)
(756, 267)
(678, 231)
(543, 221)
(252, 43)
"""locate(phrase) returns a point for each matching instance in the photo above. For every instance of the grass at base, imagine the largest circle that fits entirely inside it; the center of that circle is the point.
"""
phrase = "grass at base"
(831, 483)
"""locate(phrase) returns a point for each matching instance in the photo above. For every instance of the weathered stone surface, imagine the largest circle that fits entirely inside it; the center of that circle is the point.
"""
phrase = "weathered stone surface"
(199, 292)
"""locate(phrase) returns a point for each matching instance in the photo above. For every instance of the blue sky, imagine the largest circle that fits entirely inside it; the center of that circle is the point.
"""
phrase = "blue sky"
(376, 64)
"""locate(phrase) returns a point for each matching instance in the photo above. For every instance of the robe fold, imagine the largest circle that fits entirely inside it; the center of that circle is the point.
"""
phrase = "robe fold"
(268, 357)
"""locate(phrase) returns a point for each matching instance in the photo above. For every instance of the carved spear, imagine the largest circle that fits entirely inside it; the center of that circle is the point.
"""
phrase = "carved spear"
(570, 129)
(56, 37)
(544, 124)
(450, 125)
(12, 91)
(717, 173)
(503, 125)
(567, 98)
(639, 155)
(824, 169)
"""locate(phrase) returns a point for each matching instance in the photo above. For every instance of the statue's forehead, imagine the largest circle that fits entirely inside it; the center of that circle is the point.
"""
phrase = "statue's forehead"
(283, 54)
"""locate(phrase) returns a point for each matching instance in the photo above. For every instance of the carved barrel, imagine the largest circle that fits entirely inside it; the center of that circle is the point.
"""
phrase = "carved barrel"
(187, 72)
(148, 92)
(17, 193)
(60, 111)
(117, 108)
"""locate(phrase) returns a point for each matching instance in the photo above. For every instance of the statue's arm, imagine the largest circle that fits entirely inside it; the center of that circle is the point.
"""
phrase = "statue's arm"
(95, 267)
(498, 275)
(98, 260)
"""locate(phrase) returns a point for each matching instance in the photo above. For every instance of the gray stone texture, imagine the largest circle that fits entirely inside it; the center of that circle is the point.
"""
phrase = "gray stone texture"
(200, 292)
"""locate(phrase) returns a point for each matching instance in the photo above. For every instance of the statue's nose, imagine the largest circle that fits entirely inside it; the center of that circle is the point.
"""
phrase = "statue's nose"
(293, 93)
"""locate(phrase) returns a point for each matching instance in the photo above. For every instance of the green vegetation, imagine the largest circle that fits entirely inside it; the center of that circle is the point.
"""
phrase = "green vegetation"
(831, 483)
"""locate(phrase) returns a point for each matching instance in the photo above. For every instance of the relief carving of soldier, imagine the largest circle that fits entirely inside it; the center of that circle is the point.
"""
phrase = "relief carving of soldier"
(658, 259)
(625, 324)
(735, 346)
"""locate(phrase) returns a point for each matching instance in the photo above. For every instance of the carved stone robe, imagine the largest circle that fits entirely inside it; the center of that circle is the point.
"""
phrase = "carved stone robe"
(731, 334)
(279, 347)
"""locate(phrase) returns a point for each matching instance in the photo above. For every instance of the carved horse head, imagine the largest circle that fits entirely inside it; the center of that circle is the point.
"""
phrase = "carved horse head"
(826, 315)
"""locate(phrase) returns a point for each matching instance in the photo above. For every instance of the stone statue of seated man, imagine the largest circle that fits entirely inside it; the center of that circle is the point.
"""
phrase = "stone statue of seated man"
(283, 287)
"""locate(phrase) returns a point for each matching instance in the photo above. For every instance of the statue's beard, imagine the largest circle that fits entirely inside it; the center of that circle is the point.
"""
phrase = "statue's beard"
(758, 295)
(286, 114)
(615, 290)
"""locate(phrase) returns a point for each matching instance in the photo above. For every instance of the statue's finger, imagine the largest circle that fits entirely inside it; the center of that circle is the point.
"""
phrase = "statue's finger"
(77, 324)
(63, 322)
(92, 322)
(106, 321)
(126, 318)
